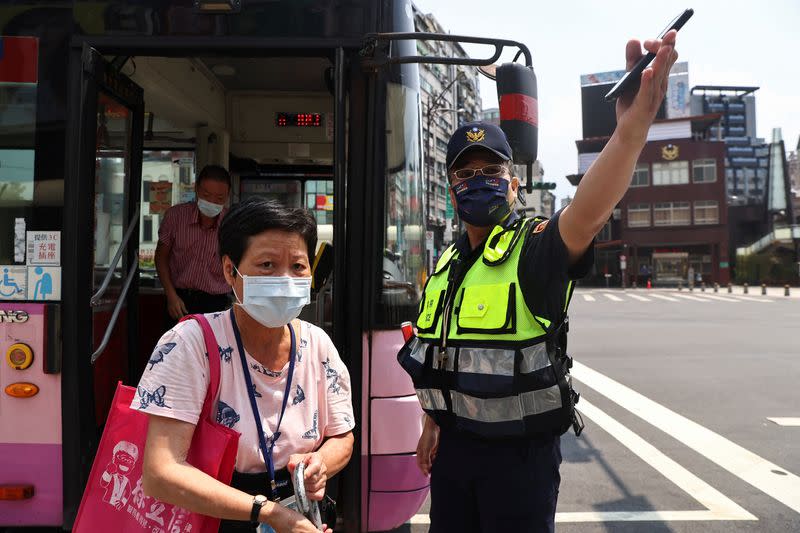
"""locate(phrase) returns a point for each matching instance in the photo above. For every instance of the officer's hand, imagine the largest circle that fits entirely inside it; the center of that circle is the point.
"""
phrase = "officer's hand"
(427, 446)
(176, 307)
(636, 110)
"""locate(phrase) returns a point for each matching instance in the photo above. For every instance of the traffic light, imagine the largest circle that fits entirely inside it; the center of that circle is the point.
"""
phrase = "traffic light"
(544, 185)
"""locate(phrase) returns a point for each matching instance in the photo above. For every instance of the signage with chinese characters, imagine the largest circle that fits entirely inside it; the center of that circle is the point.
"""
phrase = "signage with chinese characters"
(13, 282)
(44, 248)
(44, 283)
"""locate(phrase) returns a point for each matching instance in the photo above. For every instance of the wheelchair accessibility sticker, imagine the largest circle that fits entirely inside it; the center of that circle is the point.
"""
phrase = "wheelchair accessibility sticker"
(13, 282)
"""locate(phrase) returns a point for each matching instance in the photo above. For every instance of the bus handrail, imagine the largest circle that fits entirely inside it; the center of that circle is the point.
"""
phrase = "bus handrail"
(111, 267)
(113, 322)
(372, 38)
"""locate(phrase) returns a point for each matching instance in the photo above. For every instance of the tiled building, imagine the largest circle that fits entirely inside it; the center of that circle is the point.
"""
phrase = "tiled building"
(450, 97)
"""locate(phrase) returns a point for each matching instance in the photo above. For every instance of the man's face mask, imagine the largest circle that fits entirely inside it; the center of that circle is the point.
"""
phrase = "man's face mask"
(482, 201)
(209, 209)
(274, 301)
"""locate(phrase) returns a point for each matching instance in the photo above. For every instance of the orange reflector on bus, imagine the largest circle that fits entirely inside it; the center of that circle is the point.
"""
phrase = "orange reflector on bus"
(22, 390)
(16, 492)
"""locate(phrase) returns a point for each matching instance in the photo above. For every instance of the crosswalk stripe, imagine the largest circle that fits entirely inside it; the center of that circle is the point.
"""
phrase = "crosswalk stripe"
(613, 298)
(719, 298)
(785, 421)
(751, 299)
(695, 298)
(640, 298)
(588, 297)
(662, 297)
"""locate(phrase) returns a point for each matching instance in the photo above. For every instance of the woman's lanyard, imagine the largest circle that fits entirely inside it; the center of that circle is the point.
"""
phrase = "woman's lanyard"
(266, 450)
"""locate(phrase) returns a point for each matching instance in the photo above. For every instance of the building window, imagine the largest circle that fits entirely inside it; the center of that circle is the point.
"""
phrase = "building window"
(672, 214)
(672, 173)
(605, 233)
(704, 170)
(641, 176)
(706, 212)
(639, 215)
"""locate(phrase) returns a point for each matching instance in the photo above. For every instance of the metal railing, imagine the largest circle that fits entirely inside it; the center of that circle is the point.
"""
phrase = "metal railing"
(134, 223)
(115, 315)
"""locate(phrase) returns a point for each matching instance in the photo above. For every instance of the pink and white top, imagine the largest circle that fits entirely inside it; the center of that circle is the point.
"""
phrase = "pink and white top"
(175, 381)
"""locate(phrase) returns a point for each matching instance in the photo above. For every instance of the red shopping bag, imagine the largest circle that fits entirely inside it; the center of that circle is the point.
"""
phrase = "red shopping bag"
(114, 500)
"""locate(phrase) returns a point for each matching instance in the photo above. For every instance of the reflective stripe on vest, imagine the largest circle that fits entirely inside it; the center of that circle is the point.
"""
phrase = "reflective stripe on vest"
(500, 374)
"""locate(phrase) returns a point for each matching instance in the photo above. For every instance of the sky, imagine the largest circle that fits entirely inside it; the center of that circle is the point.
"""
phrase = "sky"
(734, 42)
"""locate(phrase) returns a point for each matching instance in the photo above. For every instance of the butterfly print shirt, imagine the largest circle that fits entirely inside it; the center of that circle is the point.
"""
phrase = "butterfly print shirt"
(175, 380)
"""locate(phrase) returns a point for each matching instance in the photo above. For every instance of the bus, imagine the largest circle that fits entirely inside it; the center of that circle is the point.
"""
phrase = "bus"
(108, 108)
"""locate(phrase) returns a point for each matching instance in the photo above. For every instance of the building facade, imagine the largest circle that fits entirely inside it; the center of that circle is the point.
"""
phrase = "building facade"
(747, 156)
(794, 176)
(450, 96)
(671, 225)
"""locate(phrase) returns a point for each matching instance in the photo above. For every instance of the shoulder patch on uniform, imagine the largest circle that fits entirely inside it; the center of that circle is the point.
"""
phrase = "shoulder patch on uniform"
(540, 228)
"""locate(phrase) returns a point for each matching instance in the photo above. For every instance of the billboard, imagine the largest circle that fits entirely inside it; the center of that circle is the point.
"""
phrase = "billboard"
(678, 100)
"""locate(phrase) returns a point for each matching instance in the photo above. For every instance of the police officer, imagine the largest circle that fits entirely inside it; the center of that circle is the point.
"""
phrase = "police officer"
(489, 359)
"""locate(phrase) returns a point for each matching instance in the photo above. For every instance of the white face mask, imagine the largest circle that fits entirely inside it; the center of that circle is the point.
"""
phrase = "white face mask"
(274, 301)
(209, 209)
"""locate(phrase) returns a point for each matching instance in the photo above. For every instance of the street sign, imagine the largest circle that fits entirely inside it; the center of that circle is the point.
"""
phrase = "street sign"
(429, 240)
(449, 213)
(622, 262)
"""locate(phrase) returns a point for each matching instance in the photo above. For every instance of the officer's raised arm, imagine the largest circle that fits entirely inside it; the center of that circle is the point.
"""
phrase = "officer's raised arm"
(606, 181)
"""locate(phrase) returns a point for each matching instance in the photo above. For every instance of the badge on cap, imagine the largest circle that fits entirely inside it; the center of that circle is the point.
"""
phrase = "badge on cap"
(476, 135)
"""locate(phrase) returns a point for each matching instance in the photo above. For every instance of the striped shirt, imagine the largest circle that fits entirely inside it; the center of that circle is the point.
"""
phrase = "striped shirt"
(194, 261)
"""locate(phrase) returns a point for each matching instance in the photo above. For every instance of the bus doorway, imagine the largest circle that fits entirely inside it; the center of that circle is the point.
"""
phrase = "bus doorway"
(268, 120)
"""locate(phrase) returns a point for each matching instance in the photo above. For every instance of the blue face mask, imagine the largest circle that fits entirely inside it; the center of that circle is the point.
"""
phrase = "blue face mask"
(482, 201)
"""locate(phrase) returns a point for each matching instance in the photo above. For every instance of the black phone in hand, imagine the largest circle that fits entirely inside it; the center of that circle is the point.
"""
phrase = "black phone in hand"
(632, 78)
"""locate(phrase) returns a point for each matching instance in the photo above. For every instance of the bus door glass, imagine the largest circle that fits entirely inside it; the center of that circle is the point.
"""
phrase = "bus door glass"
(115, 141)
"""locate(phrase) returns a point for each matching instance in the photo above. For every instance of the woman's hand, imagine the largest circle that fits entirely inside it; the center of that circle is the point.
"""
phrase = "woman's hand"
(289, 521)
(428, 445)
(315, 475)
(637, 110)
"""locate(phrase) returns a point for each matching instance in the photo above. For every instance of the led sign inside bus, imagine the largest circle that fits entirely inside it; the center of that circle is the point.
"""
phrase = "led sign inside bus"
(298, 120)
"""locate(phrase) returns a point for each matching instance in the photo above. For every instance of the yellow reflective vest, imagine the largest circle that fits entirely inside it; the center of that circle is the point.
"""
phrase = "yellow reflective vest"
(485, 360)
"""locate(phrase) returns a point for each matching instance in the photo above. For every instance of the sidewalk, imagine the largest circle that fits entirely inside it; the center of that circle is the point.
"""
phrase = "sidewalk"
(773, 292)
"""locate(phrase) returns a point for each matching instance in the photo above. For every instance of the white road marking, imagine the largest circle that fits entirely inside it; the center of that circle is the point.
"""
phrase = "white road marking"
(785, 421)
(761, 300)
(612, 297)
(662, 297)
(718, 506)
(719, 298)
(588, 297)
(640, 298)
(767, 477)
(687, 297)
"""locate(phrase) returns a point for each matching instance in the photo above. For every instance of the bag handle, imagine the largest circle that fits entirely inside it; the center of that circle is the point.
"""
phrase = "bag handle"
(212, 350)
